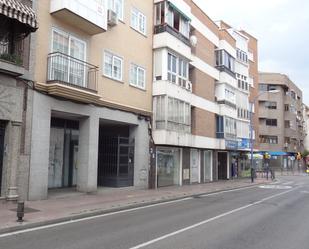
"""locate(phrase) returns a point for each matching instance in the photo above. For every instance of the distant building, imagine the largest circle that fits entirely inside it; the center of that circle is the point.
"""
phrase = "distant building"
(281, 122)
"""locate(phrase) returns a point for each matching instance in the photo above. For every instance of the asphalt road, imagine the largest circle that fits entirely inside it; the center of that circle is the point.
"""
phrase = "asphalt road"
(272, 217)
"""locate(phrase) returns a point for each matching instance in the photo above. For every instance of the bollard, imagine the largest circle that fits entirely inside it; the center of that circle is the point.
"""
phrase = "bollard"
(20, 211)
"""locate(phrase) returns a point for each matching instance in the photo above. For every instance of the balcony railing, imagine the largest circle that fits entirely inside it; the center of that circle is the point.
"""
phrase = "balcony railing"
(166, 28)
(67, 70)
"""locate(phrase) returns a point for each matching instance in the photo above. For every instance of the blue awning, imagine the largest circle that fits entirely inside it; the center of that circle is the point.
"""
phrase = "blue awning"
(275, 153)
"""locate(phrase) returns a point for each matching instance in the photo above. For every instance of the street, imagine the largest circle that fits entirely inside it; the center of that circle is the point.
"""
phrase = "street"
(269, 216)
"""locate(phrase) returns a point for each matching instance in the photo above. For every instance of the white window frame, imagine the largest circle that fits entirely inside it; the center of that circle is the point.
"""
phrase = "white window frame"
(179, 74)
(112, 6)
(70, 37)
(114, 57)
(140, 16)
(136, 84)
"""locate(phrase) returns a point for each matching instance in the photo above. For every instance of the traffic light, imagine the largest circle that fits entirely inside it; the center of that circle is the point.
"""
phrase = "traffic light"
(266, 156)
(298, 156)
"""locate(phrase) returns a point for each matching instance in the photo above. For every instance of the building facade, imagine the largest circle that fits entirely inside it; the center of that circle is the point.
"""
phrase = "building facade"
(93, 97)
(17, 22)
(281, 119)
(196, 98)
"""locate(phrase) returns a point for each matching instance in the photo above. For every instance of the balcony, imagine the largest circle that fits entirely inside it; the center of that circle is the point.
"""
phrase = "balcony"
(89, 16)
(71, 78)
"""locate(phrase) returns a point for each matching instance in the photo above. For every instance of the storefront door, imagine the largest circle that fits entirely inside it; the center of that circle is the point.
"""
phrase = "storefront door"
(195, 166)
(62, 170)
(168, 165)
(207, 166)
(222, 165)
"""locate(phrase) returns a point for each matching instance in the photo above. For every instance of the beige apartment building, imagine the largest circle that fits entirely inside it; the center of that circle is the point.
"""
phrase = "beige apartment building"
(93, 95)
(199, 71)
(281, 122)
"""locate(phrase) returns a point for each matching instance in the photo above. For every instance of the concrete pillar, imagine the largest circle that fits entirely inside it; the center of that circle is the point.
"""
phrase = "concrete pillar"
(87, 164)
(141, 154)
(14, 153)
(39, 161)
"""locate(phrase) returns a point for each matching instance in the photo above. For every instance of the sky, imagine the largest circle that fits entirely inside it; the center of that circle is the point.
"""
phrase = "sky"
(282, 30)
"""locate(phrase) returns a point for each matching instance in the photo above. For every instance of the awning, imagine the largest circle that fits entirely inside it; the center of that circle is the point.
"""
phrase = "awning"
(22, 13)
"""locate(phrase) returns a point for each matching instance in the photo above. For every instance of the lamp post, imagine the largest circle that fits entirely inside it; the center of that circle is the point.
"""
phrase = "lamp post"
(251, 130)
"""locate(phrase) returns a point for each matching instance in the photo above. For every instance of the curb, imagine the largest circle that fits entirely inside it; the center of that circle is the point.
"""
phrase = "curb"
(112, 210)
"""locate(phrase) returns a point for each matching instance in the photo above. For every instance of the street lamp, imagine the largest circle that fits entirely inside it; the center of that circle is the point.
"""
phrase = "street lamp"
(251, 129)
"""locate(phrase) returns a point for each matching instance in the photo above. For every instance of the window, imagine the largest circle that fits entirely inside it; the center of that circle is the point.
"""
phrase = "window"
(242, 56)
(268, 139)
(271, 122)
(176, 115)
(116, 6)
(224, 59)
(137, 76)
(263, 87)
(112, 66)
(230, 96)
(68, 69)
(230, 127)
(286, 107)
(287, 124)
(173, 18)
(271, 105)
(138, 21)
(219, 126)
(178, 70)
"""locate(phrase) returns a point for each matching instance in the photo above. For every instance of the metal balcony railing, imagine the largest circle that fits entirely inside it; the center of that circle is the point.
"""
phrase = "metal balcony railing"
(71, 71)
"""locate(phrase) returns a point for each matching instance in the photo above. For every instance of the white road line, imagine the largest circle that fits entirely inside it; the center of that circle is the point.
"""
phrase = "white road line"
(89, 218)
(227, 191)
(288, 183)
(208, 220)
(113, 213)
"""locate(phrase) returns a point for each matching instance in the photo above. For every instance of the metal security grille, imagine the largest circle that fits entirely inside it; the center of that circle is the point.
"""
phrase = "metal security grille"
(116, 161)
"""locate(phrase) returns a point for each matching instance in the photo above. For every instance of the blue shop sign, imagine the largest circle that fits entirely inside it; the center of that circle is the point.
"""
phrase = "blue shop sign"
(231, 144)
(244, 143)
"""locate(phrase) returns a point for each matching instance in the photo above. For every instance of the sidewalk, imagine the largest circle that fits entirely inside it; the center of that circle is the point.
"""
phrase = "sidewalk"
(68, 204)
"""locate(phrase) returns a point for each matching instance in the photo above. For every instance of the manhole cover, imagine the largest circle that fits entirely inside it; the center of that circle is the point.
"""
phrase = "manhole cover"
(27, 210)
(275, 186)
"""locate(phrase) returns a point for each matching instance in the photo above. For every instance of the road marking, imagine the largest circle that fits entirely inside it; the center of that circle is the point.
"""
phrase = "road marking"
(208, 220)
(226, 191)
(275, 186)
(113, 213)
(288, 183)
(89, 218)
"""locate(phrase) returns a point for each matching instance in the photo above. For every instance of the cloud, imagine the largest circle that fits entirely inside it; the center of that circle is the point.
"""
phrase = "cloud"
(281, 29)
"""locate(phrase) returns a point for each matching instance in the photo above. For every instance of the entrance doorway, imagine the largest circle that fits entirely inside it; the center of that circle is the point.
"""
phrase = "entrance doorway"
(222, 165)
(2, 134)
(116, 156)
(63, 149)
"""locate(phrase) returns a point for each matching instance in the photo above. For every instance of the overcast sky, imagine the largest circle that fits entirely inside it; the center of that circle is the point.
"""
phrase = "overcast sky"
(282, 29)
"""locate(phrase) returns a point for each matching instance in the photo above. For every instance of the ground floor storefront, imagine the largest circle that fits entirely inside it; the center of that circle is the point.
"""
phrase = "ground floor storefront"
(84, 147)
(183, 165)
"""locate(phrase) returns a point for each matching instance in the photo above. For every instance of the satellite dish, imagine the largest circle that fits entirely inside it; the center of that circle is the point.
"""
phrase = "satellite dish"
(193, 40)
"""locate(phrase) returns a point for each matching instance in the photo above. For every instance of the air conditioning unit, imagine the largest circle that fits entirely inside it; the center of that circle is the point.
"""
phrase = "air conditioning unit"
(189, 86)
(112, 18)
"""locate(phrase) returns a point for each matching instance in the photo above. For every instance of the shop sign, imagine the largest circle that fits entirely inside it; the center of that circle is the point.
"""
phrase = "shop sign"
(231, 144)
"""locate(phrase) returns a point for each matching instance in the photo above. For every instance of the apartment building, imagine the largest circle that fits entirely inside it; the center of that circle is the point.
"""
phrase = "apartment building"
(281, 122)
(17, 22)
(242, 96)
(195, 93)
(306, 126)
(93, 98)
